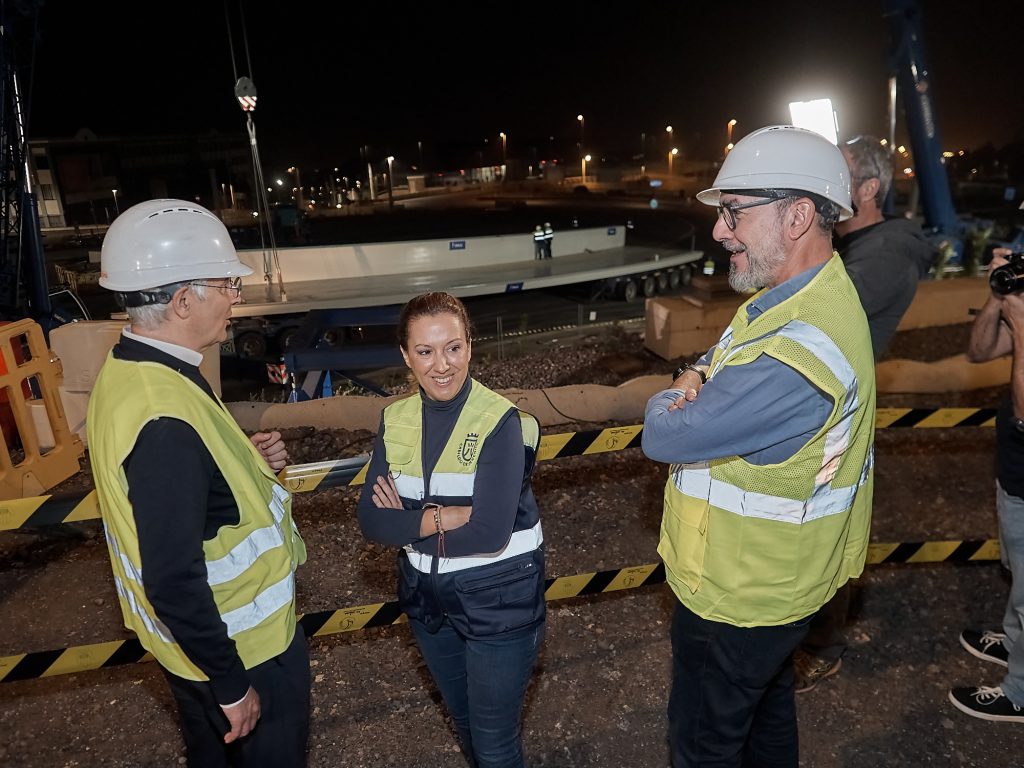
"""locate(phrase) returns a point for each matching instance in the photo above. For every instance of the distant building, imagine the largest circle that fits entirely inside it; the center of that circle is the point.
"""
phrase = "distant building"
(86, 179)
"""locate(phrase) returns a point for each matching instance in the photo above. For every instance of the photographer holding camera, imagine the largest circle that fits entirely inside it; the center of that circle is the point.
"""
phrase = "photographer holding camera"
(999, 330)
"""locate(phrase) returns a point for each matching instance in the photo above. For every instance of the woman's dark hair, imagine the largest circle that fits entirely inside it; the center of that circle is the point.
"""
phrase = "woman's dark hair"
(434, 303)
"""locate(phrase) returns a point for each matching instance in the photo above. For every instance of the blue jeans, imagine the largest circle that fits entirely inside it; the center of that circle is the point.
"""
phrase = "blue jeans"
(483, 683)
(732, 701)
(1011, 547)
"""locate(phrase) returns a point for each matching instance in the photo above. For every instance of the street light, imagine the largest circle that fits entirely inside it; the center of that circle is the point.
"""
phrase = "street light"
(728, 127)
(586, 159)
(504, 139)
(580, 118)
(668, 130)
(391, 197)
(298, 186)
(117, 209)
(671, 155)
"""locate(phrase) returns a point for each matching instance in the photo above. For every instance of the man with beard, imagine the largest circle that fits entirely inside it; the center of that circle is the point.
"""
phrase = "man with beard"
(769, 440)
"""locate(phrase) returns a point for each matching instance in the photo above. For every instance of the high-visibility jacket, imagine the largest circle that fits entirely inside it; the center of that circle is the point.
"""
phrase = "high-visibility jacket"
(538, 235)
(250, 566)
(482, 594)
(766, 545)
(549, 233)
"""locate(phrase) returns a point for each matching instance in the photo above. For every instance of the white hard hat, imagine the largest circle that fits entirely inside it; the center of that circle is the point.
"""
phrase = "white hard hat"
(160, 242)
(784, 157)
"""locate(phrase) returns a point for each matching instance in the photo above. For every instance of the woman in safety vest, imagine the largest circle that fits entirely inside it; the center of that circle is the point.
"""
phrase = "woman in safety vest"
(449, 483)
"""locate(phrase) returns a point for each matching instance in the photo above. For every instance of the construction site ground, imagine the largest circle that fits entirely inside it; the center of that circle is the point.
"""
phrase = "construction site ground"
(598, 696)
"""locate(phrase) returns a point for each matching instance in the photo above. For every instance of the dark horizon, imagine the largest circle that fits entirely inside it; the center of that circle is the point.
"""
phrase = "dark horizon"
(333, 79)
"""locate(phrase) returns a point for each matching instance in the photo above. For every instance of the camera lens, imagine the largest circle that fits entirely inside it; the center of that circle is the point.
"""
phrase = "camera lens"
(1004, 279)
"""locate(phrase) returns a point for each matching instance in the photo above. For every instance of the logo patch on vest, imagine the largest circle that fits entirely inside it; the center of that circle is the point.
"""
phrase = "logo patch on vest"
(467, 451)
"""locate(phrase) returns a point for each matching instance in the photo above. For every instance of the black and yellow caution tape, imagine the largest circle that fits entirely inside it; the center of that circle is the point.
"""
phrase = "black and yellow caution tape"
(41, 511)
(934, 418)
(317, 476)
(83, 658)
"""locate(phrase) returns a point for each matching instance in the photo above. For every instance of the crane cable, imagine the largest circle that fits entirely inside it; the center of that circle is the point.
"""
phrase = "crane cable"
(271, 260)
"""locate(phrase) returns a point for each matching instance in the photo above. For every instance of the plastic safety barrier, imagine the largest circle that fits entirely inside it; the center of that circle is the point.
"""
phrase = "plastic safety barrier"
(82, 658)
(39, 451)
(321, 475)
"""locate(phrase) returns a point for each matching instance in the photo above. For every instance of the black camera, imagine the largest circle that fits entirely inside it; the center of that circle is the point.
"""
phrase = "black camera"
(1009, 278)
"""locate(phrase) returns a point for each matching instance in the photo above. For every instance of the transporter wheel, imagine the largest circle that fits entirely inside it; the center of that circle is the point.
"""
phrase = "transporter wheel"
(251, 345)
(674, 279)
(628, 291)
(686, 274)
(285, 338)
(649, 285)
(661, 279)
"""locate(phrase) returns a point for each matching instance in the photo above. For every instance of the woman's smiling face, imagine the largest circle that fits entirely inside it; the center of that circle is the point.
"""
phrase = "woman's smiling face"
(438, 354)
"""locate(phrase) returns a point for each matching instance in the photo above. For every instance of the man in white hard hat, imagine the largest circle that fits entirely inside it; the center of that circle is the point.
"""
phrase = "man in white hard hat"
(549, 239)
(199, 529)
(769, 437)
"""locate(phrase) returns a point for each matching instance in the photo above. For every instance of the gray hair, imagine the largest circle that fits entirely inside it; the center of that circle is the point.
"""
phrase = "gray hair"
(870, 160)
(151, 316)
(825, 224)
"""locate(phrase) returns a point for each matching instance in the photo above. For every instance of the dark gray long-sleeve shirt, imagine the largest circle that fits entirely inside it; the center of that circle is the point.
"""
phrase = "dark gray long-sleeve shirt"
(885, 262)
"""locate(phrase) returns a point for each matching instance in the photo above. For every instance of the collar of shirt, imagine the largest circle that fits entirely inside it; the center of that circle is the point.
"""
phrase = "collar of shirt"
(184, 354)
(843, 243)
(775, 296)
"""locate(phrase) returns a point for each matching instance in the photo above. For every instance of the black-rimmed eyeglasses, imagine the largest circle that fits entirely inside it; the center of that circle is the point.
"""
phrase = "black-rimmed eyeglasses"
(233, 284)
(728, 210)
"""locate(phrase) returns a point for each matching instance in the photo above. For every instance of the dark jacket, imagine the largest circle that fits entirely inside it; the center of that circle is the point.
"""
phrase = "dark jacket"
(885, 262)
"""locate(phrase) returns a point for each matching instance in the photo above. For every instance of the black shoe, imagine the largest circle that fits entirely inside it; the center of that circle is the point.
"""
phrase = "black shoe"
(986, 645)
(987, 704)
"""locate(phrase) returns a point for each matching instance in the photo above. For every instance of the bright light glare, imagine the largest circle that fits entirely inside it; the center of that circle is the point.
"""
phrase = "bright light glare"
(817, 116)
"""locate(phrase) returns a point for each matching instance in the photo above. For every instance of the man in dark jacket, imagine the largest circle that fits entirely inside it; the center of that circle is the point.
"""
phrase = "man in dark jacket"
(885, 258)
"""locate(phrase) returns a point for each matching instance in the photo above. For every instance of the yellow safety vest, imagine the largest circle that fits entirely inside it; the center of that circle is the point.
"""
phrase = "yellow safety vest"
(250, 566)
(454, 474)
(766, 545)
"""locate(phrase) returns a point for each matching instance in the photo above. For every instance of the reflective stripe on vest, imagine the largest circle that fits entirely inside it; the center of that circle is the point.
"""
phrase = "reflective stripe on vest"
(520, 543)
(245, 553)
(441, 484)
(695, 479)
(250, 566)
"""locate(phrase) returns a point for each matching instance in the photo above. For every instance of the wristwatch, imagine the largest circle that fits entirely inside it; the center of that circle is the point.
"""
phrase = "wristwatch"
(690, 367)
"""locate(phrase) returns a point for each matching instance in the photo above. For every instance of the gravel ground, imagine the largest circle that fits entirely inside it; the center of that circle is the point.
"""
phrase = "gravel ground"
(598, 697)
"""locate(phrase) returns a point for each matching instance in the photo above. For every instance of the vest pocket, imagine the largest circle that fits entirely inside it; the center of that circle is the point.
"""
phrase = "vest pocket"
(683, 543)
(400, 444)
(501, 596)
(410, 595)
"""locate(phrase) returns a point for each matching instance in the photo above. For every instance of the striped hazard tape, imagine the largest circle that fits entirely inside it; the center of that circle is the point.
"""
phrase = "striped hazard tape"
(83, 658)
(321, 475)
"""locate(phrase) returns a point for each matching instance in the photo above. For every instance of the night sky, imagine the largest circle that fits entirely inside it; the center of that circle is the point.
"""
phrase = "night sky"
(334, 76)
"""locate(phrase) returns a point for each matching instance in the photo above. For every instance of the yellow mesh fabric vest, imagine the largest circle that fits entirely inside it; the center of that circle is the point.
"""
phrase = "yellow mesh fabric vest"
(456, 467)
(765, 545)
(250, 566)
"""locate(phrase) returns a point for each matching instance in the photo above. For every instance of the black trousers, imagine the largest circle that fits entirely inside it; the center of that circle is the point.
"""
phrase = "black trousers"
(279, 738)
(732, 701)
